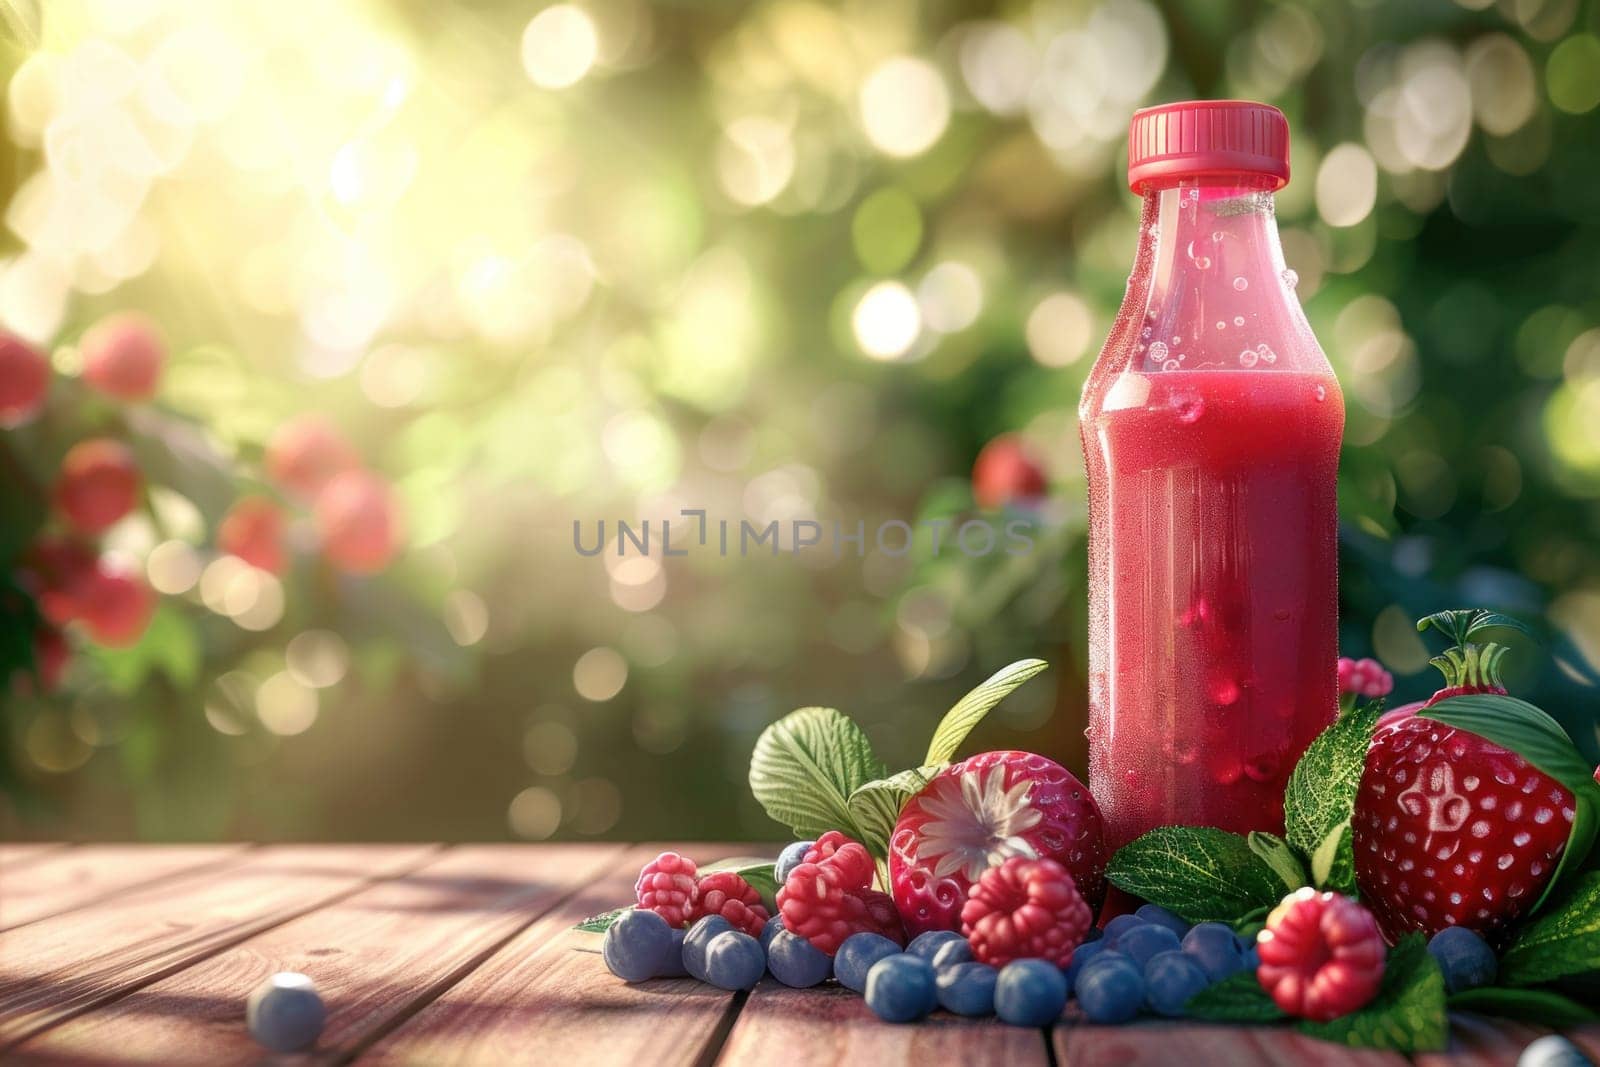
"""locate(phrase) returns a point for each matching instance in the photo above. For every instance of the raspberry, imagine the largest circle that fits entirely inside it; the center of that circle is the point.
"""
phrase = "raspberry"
(1321, 955)
(730, 896)
(1025, 909)
(666, 886)
(827, 899)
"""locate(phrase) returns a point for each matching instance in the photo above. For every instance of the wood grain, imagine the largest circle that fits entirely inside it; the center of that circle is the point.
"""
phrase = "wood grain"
(832, 1025)
(71, 878)
(376, 956)
(56, 968)
(1157, 1044)
(543, 999)
(16, 855)
(1478, 1041)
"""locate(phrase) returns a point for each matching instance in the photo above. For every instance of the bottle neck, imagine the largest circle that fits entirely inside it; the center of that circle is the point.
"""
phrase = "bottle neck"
(1209, 288)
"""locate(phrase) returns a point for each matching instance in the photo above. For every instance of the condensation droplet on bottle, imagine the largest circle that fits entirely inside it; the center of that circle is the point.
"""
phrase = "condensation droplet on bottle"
(1248, 358)
(1321, 394)
(1145, 333)
(1177, 340)
(1202, 263)
(1216, 235)
(1188, 407)
(1238, 320)
(1268, 356)
(1290, 278)
(1158, 352)
(1221, 325)
(1170, 364)
(1240, 284)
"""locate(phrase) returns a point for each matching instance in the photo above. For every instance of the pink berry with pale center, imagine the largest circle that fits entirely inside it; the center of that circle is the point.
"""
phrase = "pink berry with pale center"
(980, 812)
(1322, 955)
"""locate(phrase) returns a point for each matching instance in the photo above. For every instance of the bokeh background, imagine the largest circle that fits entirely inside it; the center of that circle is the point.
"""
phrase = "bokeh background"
(793, 259)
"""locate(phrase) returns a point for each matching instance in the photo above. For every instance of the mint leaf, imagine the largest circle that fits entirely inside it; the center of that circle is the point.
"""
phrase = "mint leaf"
(1322, 793)
(1563, 942)
(599, 924)
(970, 709)
(876, 805)
(1462, 626)
(1199, 872)
(806, 765)
(1542, 1007)
(759, 873)
(1238, 999)
(1276, 853)
(1407, 1015)
(1333, 864)
(1532, 734)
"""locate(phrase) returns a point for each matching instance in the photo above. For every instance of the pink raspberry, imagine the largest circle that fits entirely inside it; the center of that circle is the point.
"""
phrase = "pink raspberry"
(666, 886)
(1364, 677)
(1321, 955)
(1025, 909)
(726, 894)
(829, 898)
(857, 860)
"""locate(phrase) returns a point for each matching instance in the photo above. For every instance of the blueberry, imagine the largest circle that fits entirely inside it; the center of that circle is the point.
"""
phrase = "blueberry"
(900, 988)
(1094, 933)
(673, 967)
(696, 940)
(1156, 915)
(1553, 1051)
(285, 1014)
(966, 988)
(1170, 979)
(1252, 959)
(1082, 955)
(1143, 942)
(1030, 993)
(952, 953)
(768, 931)
(927, 945)
(1215, 949)
(734, 960)
(637, 945)
(790, 858)
(1110, 989)
(1119, 926)
(1465, 958)
(857, 955)
(796, 962)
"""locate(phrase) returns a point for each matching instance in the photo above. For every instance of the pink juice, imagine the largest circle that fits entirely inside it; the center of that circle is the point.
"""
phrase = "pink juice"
(1210, 425)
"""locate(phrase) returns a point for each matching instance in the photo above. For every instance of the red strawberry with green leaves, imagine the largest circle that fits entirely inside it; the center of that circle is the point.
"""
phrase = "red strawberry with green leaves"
(1471, 808)
(977, 814)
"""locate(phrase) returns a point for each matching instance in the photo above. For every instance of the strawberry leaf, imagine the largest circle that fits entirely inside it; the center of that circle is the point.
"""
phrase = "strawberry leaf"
(1561, 943)
(970, 709)
(1542, 1007)
(1199, 872)
(1407, 1015)
(806, 765)
(876, 805)
(1322, 794)
(1238, 999)
(1276, 853)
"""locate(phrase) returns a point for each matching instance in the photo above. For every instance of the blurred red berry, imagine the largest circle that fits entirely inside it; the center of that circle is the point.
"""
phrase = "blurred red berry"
(358, 520)
(123, 355)
(1321, 955)
(305, 453)
(24, 380)
(116, 608)
(253, 530)
(50, 654)
(1006, 472)
(1364, 678)
(52, 570)
(98, 484)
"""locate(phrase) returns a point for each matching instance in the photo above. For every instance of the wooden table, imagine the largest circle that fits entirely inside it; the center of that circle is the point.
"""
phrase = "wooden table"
(434, 955)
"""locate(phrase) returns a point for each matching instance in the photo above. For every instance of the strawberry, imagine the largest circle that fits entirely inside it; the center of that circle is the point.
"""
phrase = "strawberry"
(1457, 826)
(980, 812)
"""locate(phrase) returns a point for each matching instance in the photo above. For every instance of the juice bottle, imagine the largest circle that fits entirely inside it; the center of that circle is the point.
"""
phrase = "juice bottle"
(1210, 425)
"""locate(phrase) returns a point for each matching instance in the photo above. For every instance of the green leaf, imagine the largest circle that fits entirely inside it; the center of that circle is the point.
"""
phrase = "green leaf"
(1542, 1007)
(1238, 999)
(806, 765)
(1322, 793)
(599, 924)
(758, 872)
(1563, 942)
(1532, 734)
(970, 709)
(1276, 853)
(1462, 626)
(169, 644)
(1407, 1015)
(1199, 872)
(1333, 864)
(875, 806)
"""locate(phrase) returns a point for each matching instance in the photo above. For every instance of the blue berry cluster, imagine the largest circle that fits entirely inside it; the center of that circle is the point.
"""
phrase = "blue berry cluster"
(1152, 962)
(640, 945)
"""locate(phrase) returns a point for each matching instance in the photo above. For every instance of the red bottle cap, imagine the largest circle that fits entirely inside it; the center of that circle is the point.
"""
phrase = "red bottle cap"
(1201, 137)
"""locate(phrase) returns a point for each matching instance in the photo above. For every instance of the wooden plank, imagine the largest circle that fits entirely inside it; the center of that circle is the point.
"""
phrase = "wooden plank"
(74, 878)
(59, 967)
(376, 957)
(1588, 1039)
(18, 854)
(832, 1025)
(542, 998)
(1160, 1044)
(1479, 1041)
